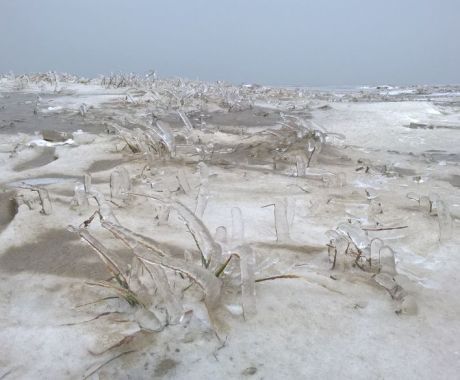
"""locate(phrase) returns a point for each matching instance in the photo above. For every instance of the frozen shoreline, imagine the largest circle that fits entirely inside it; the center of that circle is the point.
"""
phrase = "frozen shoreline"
(325, 322)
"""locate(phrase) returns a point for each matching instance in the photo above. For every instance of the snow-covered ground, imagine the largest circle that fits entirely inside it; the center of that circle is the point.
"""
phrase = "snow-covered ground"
(246, 148)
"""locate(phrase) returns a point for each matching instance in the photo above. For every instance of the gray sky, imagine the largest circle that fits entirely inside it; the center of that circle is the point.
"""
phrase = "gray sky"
(297, 42)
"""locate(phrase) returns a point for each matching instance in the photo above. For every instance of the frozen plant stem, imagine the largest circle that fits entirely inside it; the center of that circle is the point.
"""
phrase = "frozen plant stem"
(248, 288)
(444, 220)
(281, 223)
(237, 226)
(174, 307)
(45, 201)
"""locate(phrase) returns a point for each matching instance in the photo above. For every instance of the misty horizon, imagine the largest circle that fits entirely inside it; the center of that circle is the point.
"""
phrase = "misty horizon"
(288, 43)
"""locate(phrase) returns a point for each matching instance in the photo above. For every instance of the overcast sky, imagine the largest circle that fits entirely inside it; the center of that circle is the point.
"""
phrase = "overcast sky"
(291, 42)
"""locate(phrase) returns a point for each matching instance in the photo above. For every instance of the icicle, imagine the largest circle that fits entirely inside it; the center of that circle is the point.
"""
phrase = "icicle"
(80, 197)
(105, 209)
(201, 201)
(201, 233)
(290, 211)
(120, 184)
(87, 183)
(356, 234)
(376, 245)
(248, 284)
(173, 305)
(165, 135)
(281, 223)
(221, 235)
(444, 220)
(237, 226)
(204, 173)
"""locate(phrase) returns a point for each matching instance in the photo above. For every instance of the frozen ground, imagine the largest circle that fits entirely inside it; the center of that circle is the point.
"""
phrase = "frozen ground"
(245, 147)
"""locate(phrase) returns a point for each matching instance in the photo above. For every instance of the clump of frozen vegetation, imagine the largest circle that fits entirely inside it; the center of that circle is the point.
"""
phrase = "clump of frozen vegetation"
(223, 188)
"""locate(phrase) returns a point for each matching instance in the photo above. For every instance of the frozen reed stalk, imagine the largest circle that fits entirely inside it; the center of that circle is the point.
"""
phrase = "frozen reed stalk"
(203, 193)
(376, 245)
(183, 182)
(337, 249)
(105, 209)
(103, 254)
(387, 261)
(355, 234)
(237, 226)
(120, 184)
(45, 201)
(204, 173)
(206, 243)
(210, 284)
(80, 198)
(87, 183)
(248, 281)
(201, 201)
(300, 166)
(134, 281)
(165, 135)
(173, 306)
(187, 125)
(444, 220)
(281, 222)
(290, 210)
